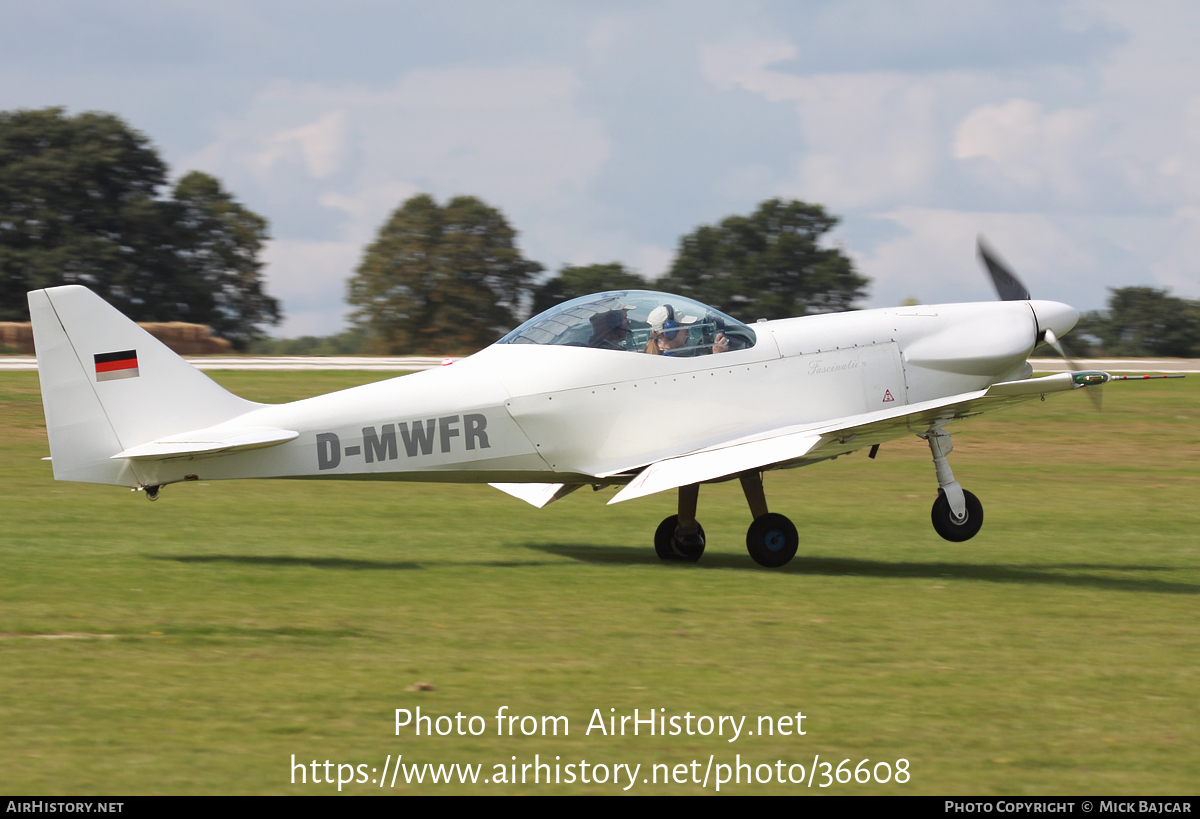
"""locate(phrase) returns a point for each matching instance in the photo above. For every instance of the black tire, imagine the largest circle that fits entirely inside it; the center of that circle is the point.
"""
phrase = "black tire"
(772, 540)
(667, 549)
(957, 531)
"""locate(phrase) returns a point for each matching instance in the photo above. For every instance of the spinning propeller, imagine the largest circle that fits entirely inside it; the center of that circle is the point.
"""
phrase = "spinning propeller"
(1010, 288)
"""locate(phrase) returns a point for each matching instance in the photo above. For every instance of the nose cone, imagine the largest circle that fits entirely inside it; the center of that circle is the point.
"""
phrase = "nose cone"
(1054, 315)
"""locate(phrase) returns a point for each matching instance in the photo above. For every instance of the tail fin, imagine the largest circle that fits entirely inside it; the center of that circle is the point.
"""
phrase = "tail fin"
(108, 385)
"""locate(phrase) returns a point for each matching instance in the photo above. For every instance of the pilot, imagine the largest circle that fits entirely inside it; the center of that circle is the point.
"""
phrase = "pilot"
(669, 334)
(610, 329)
(667, 339)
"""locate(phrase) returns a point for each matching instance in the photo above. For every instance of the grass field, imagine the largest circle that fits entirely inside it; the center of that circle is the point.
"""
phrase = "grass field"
(195, 644)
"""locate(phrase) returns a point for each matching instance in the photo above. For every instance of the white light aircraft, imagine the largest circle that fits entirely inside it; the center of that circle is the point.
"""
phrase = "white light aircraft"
(643, 390)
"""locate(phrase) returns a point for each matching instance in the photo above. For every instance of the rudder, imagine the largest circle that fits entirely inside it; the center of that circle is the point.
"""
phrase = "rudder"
(108, 385)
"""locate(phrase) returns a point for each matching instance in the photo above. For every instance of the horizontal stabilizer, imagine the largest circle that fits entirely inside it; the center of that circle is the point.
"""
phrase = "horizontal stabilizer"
(209, 442)
(537, 494)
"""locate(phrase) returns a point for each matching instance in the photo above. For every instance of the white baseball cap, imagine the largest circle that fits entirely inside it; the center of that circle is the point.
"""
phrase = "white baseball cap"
(664, 313)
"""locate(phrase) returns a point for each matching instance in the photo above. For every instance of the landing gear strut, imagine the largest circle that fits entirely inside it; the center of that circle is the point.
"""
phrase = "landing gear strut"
(681, 537)
(957, 514)
(771, 540)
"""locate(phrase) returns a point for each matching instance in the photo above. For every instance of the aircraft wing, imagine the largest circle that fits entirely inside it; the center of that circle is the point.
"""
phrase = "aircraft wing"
(813, 442)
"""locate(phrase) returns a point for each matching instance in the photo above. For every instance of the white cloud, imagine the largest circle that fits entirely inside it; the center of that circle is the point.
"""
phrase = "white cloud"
(864, 138)
(369, 207)
(474, 89)
(1085, 177)
(320, 144)
(1022, 145)
(1062, 257)
(512, 136)
(1084, 171)
(1146, 98)
(602, 37)
(1172, 251)
(310, 279)
(652, 262)
(871, 139)
(746, 183)
(743, 64)
(935, 261)
(1159, 58)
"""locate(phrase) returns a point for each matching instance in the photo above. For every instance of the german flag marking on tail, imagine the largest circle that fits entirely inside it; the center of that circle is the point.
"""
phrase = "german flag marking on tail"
(111, 366)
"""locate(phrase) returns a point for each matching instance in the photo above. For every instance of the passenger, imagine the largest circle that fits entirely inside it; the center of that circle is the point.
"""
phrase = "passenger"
(610, 330)
(669, 334)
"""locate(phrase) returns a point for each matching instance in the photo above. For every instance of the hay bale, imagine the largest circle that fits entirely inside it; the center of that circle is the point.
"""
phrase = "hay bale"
(187, 339)
(16, 337)
(183, 338)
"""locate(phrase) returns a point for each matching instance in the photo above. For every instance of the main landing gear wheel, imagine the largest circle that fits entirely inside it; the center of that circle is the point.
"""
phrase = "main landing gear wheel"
(957, 530)
(668, 548)
(772, 540)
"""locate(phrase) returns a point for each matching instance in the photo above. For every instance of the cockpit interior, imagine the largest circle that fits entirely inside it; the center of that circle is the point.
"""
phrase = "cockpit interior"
(636, 321)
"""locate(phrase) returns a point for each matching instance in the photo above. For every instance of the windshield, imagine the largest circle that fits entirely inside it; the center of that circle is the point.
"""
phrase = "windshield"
(638, 321)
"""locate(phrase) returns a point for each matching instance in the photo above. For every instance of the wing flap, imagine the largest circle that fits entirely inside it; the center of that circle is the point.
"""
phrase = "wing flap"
(716, 463)
(211, 441)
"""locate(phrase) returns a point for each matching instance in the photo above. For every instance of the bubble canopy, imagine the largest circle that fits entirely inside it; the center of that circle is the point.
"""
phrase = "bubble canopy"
(628, 319)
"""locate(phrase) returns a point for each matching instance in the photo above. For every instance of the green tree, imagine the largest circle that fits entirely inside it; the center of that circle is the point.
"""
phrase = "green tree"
(769, 264)
(219, 243)
(80, 204)
(1144, 321)
(440, 279)
(348, 342)
(572, 282)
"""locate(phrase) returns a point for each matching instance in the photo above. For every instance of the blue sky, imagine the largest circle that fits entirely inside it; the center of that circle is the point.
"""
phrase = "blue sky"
(1067, 133)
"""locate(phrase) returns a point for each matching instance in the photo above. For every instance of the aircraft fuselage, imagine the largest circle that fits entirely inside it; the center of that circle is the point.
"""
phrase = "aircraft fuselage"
(564, 414)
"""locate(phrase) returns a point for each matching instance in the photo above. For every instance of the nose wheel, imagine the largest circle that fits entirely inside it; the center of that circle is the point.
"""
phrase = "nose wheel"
(952, 527)
(957, 514)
